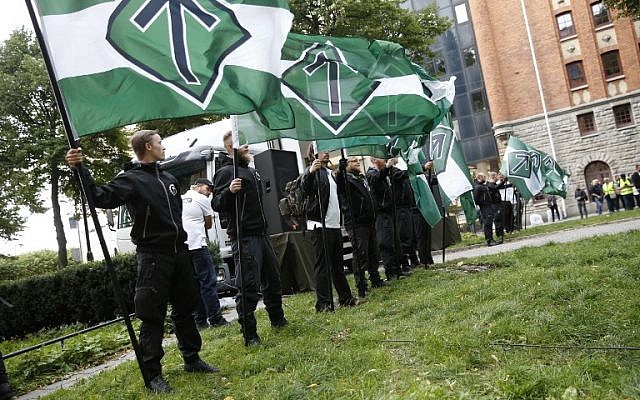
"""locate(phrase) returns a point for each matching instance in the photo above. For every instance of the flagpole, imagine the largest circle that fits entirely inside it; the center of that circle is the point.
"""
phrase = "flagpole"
(394, 226)
(73, 143)
(354, 244)
(540, 90)
(444, 231)
(240, 271)
(324, 236)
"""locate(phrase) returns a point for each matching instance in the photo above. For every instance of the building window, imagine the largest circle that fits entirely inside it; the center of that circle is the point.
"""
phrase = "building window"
(461, 13)
(565, 25)
(470, 57)
(575, 73)
(586, 124)
(622, 115)
(611, 64)
(477, 99)
(600, 14)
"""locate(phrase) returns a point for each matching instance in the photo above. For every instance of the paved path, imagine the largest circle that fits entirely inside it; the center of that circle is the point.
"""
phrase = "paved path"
(564, 236)
(532, 241)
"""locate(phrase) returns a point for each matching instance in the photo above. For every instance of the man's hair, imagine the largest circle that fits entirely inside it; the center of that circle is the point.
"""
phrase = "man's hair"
(139, 141)
(226, 137)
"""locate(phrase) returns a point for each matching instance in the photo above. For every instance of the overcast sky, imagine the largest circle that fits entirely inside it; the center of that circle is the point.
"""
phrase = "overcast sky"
(14, 15)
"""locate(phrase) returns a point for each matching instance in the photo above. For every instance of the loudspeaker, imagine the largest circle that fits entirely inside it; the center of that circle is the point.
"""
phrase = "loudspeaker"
(276, 168)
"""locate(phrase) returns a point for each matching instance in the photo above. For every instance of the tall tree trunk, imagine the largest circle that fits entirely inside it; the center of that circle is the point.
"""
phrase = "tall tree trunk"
(57, 219)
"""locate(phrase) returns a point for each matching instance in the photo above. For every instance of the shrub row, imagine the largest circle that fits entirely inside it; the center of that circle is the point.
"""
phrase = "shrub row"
(75, 294)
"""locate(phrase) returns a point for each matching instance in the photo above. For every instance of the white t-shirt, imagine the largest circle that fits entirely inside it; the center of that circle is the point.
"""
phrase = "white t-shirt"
(195, 207)
(332, 219)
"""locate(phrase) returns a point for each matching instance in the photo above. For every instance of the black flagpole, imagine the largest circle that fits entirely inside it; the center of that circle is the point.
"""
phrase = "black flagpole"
(240, 270)
(354, 244)
(444, 231)
(429, 226)
(394, 226)
(324, 236)
(86, 225)
(82, 184)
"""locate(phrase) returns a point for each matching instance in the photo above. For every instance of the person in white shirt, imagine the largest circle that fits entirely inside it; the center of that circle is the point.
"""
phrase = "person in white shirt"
(324, 203)
(196, 219)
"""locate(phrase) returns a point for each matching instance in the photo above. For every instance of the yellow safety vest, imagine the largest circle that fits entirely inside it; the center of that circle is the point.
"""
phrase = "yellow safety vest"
(609, 189)
(625, 186)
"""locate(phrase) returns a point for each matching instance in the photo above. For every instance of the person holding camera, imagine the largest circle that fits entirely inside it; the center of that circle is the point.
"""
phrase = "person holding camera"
(259, 268)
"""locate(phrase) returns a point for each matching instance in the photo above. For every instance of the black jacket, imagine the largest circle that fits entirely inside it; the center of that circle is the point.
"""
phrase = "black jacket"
(152, 197)
(402, 190)
(310, 187)
(361, 203)
(580, 195)
(487, 193)
(251, 212)
(380, 189)
(635, 179)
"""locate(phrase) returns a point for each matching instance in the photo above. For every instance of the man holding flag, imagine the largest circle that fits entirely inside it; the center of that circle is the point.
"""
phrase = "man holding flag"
(258, 270)
(165, 274)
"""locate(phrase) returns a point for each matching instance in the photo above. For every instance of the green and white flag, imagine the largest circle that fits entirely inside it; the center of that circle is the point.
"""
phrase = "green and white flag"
(422, 194)
(119, 62)
(532, 171)
(345, 87)
(448, 162)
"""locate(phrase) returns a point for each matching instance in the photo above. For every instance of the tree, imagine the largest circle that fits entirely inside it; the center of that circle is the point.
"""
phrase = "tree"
(625, 8)
(371, 19)
(33, 142)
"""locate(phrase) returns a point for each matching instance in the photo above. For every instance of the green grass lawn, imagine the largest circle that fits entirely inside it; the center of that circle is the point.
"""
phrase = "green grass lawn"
(469, 239)
(432, 336)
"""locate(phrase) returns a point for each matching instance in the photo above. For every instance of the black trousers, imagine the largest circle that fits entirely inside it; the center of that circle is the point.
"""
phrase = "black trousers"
(423, 237)
(407, 235)
(384, 233)
(164, 278)
(3, 372)
(491, 215)
(582, 207)
(365, 257)
(334, 260)
(554, 212)
(260, 271)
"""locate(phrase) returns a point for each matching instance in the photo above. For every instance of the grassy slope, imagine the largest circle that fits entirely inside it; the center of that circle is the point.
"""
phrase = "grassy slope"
(583, 293)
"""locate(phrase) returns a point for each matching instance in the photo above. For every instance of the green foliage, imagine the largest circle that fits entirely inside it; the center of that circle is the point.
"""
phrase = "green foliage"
(433, 335)
(626, 8)
(33, 143)
(215, 253)
(371, 19)
(77, 294)
(28, 265)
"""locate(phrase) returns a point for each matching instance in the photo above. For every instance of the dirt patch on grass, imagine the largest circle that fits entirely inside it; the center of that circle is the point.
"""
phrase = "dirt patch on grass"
(466, 268)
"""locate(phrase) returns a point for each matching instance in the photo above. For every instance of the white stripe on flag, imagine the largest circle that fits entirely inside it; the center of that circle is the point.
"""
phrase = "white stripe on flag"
(77, 41)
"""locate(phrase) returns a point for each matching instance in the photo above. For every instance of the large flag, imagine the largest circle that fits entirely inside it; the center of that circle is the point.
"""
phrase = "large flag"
(345, 87)
(451, 168)
(123, 61)
(532, 171)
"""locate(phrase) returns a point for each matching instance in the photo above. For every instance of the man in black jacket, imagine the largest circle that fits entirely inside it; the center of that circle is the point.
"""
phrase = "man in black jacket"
(380, 187)
(324, 203)
(487, 196)
(405, 203)
(152, 197)
(359, 220)
(259, 268)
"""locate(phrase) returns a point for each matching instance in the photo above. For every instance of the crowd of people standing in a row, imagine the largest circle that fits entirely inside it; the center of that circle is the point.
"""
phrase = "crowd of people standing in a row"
(620, 193)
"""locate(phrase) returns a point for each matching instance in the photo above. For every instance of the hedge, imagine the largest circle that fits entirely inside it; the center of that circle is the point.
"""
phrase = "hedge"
(75, 294)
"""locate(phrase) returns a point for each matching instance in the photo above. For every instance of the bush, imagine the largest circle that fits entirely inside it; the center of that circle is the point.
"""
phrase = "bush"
(75, 294)
(30, 265)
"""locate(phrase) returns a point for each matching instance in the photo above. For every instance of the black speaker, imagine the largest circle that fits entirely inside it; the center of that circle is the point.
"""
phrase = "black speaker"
(276, 168)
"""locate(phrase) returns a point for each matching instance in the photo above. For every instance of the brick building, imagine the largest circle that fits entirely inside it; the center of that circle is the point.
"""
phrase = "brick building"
(589, 69)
